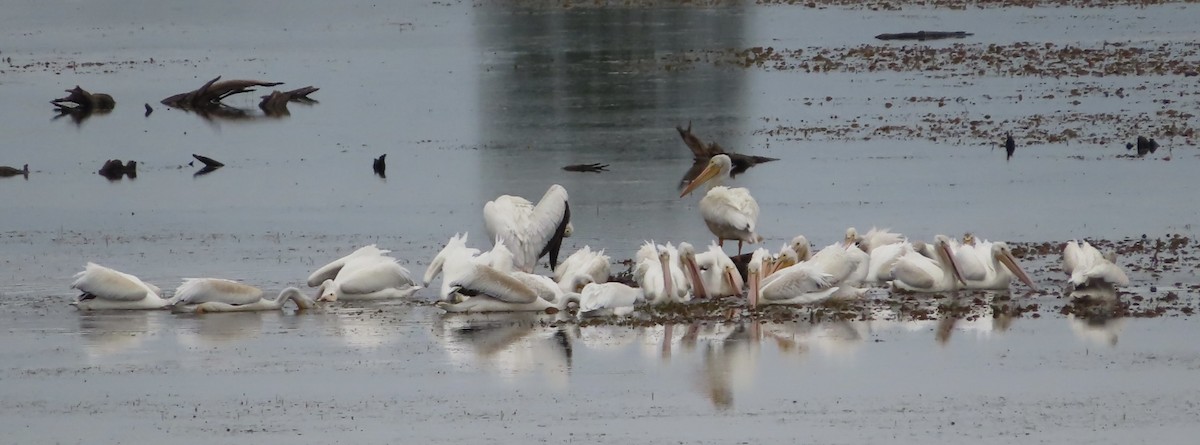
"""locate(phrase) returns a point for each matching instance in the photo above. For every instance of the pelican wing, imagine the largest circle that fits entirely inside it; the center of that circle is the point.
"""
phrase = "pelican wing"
(794, 280)
(219, 290)
(880, 237)
(530, 231)
(110, 284)
(973, 261)
(329, 271)
(374, 277)
(607, 296)
(916, 271)
(1072, 257)
(480, 279)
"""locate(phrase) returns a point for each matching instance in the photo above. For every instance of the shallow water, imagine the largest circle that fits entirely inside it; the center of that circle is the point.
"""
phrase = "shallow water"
(470, 102)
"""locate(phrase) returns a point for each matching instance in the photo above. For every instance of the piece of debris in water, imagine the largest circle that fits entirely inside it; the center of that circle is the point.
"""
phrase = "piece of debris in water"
(925, 35)
(587, 168)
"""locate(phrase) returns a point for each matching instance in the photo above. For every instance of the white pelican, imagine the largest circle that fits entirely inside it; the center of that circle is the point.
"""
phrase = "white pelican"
(918, 273)
(833, 273)
(263, 304)
(330, 271)
(368, 278)
(220, 295)
(795, 284)
(718, 275)
(989, 266)
(456, 248)
(492, 290)
(1086, 266)
(660, 274)
(106, 289)
(530, 231)
(593, 264)
(604, 299)
(873, 239)
(730, 213)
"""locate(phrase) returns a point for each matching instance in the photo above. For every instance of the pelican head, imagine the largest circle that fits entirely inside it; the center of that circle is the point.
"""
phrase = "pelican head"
(1004, 255)
(754, 276)
(579, 281)
(718, 167)
(325, 292)
(945, 257)
(968, 239)
(568, 230)
(687, 256)
(851, 237)
(800, 246)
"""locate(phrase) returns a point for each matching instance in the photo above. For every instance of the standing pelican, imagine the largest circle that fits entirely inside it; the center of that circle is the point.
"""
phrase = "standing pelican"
(530, 231)
(107, 289)
(1086, 266)
(918, 273)
(730, 213)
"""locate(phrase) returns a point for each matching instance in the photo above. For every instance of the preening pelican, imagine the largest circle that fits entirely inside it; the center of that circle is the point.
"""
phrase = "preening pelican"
(530, 231)
(1086, 266)
(586, 262)
(604, 299)
(108, 289)
(660, 274)
(330, 271)
(918, 273)
(718, 275)
(201, 295)
(368, 278)
(987, 265)
(489, 289)
(263, 304)
(730, 213)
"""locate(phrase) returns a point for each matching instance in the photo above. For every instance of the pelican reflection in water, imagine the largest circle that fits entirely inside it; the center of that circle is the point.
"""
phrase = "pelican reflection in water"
(513, 344)
(1095, 319)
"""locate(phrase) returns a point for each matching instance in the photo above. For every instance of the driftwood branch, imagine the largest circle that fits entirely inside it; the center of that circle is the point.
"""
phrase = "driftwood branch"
(925, 35)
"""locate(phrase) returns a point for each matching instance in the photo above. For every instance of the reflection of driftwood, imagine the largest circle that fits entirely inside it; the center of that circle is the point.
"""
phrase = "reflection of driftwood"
(380, 166)
(703, 152)
(113, 169)
(587, 168)
(275, 104)
(925, 35)
(212, 92)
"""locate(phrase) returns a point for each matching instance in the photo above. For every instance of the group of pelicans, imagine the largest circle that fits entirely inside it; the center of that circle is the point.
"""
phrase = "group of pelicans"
(503, 278)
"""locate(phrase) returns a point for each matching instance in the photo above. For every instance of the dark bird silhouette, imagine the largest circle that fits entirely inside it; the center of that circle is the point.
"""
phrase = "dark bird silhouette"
(6, 171)
(1144, 146)
(380, 166)
(702, 152)
(113, 169)
(1010, 145)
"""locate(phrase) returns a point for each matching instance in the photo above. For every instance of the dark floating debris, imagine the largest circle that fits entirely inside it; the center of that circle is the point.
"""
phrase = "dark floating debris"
(113, 169)
(587, 168)
(80, 104)
(380, 166)
(148, 110)
(702, 152)
(209, 95)
(1010, 145)
(210, 165)
(275, 104)
(7, 172)
(925, 35)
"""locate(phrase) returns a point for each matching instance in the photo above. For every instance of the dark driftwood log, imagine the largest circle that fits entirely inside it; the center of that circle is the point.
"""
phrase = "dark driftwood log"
(208, 162)
(587, 168)
(80, 100)
(925, 35)
(703, 152)
(212, 92)
(275, 104)
(380, 166)
(113, 169)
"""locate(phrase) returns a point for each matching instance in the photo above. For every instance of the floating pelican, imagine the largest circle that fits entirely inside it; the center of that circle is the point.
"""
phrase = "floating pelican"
(200, 295)
(730, 213)
(455, 248)
(368, 278)
(604, 299)
(108, 289)
(1086, 266)
(263, 304)
(491, 290)
(530, 231)
(586, 262)
(918, 273)
(987, 265)
(797, 284)
(660, 274)
(330, 271)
